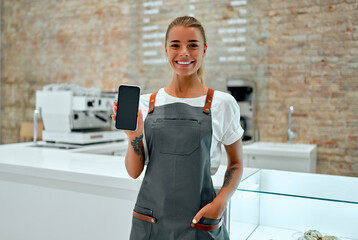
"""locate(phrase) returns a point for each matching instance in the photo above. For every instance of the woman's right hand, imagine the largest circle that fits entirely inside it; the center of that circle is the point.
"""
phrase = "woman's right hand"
(131, 134)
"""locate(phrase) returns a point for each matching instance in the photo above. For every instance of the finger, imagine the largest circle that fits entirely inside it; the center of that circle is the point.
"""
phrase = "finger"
(115, 103)
(114, 117)
(199, 215)
(115, 110)
(140, 117)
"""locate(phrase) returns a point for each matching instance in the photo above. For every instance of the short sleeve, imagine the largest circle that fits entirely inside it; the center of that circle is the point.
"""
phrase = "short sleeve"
(232, 128)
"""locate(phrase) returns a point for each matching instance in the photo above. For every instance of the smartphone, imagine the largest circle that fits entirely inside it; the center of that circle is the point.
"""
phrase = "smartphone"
(127, 107)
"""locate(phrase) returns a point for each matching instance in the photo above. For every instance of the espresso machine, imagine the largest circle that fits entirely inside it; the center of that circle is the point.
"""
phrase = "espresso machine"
(244, 93)
(75, 115)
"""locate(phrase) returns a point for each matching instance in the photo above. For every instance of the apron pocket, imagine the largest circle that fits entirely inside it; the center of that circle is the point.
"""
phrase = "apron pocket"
(178, 137)
(209, 221)
(216, 234)
(141, 229)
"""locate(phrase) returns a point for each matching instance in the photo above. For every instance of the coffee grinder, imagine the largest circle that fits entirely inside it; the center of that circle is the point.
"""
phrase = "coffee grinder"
(244, 93)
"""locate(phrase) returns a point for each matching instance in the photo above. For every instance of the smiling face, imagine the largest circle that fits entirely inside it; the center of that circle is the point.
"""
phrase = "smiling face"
(185, 49)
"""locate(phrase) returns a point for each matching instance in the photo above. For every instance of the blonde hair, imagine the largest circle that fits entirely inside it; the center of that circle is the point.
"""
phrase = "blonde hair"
(187, 21)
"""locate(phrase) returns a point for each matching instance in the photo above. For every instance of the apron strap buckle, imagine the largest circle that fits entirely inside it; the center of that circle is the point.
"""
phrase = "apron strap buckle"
(208, 101)
(152, 102)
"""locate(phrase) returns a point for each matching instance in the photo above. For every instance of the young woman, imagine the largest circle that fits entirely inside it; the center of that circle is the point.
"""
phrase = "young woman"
(180, 142)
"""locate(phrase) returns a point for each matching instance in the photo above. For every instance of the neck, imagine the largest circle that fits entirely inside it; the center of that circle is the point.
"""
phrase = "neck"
(182, 83)
(186, 86)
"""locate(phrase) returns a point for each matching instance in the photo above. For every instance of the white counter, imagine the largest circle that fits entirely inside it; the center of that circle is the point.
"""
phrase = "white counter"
(48, 193)
(67, 165)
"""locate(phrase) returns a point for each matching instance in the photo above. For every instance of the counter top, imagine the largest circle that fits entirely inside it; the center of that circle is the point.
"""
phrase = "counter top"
(74, 166)
(281, 149)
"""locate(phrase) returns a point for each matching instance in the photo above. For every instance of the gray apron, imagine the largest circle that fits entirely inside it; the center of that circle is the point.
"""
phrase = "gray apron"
(177, 181)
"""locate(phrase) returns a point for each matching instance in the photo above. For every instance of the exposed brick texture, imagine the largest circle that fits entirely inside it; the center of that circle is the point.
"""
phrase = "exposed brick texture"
(312, 66)
(300, 53)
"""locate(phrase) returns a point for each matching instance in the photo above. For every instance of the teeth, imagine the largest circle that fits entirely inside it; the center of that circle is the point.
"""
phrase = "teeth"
(184, 62)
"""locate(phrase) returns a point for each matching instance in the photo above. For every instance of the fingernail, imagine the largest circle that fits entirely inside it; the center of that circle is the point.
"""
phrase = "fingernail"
(194, 221)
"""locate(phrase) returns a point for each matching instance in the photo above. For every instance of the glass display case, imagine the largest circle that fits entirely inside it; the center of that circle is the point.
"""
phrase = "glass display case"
(282, 205)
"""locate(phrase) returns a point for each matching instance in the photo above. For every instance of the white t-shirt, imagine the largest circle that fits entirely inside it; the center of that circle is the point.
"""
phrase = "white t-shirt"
(225, 116)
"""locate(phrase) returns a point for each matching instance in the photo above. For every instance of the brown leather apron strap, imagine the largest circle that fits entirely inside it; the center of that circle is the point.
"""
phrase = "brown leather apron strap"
(208, 101)
(144, 217)
(206, 227)
(152, 102)
(207, 107)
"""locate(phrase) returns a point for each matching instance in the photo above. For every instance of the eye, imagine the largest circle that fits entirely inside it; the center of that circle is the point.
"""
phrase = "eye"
(174, 45)
(193, 45)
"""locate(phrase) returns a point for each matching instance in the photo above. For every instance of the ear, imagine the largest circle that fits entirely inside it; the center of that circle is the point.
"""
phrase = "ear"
(205, 48)
(166, 50)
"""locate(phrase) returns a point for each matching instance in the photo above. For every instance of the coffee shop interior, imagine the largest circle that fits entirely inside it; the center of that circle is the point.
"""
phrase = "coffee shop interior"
(291, 66)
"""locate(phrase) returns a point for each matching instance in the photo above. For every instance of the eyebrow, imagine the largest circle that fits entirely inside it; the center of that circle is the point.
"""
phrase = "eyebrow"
(188, 41)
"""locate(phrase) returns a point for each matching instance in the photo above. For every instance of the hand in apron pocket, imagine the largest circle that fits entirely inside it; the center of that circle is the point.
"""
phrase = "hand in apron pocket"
(211, 228)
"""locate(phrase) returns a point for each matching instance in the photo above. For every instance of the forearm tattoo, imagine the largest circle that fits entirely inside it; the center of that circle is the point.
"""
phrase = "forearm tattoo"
(137, 145)
(228, 176)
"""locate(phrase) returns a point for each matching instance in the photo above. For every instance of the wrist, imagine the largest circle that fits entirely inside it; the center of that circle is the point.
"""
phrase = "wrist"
(220, 203)
(135, 137)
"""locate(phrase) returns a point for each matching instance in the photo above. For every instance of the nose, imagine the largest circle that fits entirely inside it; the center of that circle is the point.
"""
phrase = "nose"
(184, 52)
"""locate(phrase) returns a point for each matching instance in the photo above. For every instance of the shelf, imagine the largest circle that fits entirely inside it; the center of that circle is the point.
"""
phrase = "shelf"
(304, 185)
(267, 232)
(271, 204)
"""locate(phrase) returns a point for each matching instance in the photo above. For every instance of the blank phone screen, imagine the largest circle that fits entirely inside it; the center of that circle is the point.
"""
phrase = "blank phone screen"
(127, 107)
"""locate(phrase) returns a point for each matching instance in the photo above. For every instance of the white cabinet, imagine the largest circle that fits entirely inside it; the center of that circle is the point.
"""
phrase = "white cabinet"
(281, 156)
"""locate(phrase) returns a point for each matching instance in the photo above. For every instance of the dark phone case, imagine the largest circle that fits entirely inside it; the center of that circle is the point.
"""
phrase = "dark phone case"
(125, 122)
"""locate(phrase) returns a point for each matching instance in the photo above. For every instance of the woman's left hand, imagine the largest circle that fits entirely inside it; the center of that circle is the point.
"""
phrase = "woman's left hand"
(213, 210)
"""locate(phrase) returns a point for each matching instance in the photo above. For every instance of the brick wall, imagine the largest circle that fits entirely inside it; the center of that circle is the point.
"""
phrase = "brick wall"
(83, 42)
(300, 53)
(313, 65)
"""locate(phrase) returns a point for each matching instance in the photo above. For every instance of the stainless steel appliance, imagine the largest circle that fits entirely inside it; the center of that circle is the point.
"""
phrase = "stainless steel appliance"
(76, 115)
(244, 93)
